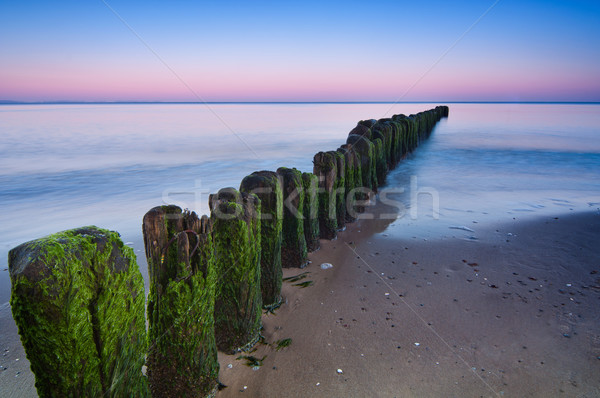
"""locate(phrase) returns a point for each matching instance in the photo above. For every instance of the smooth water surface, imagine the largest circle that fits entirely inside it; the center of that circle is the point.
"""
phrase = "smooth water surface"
(65, 166)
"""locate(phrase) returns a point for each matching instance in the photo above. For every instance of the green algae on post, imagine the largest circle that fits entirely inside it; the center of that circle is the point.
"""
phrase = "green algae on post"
(267, 186)
(182, 358)
(325, 168)
(293, 250)
(340, 190)
(365, 149)
(383, 131)
(236, 233)
(310, 184)
(78, 300)
(380, 163)
(349, 198)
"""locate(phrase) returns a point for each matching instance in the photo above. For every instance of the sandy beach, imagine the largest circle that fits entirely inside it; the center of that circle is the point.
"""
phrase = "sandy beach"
(207, 144)
(511, 314)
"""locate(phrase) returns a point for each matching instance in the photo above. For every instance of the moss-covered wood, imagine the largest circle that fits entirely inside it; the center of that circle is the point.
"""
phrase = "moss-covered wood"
(293, 249)
(380, 162)
(362, 129)
(359, 193)
(350, 161)
(396, 148)
(310, 183)
(182, 357)
(267, 186)
(365, 149)
(383, 131)
(325, 168)
(340, 190)
(78, 300)
(404, 134)
(236, 232)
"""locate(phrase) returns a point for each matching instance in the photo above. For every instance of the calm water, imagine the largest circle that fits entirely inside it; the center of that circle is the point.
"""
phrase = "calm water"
(64, 166)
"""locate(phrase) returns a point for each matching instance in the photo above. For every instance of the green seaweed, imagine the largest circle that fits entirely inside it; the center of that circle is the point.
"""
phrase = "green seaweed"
(270, 309)
(325, 168)
(365, 149)
(182, 358)
(296, 278)
(380, 162)
(304, 284)
(310, 184)
(280, 344)
(78, 300)
(293, 249)
(251, 361)
(340, 190)
(237, 251)
(267, 186)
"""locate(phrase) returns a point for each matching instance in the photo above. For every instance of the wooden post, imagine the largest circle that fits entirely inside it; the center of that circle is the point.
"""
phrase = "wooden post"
(310, 183)
(293, 250)
(182, 358)
(380, 163)
(267, 186)
(405, 144)
(350, 179)
(340, 190)
(365, 149)
(236, 232)
(396, 144)
(383, 131)
(78, 300)
(325, 168)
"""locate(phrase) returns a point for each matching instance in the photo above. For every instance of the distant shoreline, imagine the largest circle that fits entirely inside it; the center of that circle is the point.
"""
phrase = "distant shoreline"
(9, 102)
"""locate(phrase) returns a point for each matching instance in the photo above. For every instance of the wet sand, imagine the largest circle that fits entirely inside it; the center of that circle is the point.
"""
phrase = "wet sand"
(513, 313)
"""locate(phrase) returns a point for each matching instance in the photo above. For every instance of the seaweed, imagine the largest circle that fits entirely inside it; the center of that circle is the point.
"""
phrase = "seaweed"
(296, 278)
(304, 284)
(282, 343)
(270, 309)
(252, 361)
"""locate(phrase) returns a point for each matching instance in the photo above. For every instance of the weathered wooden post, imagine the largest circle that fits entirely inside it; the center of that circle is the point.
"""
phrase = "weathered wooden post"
(382, 131)
(414, 131)
(182, 358)
(365, 149)
(396, 143)
(236, 232)
(380, 163)
(78, 300)
(405, 139)
(310, 183)
(325, 168)
(350, 180)
(267, 186)
(293, 250)
(340, 190)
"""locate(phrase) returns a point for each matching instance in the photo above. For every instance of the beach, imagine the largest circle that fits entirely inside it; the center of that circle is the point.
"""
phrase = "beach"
(512, 314)
(475, 272)
(227, 199)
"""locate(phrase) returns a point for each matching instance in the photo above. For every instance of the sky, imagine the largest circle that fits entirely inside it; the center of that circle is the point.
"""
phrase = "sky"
(487, 50)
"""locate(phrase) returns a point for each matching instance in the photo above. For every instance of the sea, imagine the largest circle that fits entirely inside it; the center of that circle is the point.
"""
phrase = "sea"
(64, 166)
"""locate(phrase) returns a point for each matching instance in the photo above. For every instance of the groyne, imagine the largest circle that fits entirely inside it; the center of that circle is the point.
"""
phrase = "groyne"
(78, 296)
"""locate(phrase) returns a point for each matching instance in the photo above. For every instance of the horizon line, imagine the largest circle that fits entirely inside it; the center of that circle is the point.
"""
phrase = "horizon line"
(61, 102)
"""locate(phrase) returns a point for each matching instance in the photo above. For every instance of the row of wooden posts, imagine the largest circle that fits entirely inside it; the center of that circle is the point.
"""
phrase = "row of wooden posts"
(78, 296)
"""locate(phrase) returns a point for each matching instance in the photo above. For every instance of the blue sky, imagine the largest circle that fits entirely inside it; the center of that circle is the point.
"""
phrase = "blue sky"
(306, 51)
